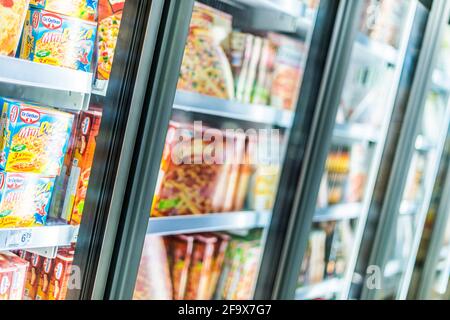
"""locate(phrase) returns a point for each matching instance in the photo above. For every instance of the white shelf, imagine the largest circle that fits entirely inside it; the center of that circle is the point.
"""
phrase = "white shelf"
(208, 222)
(45, 84)
(408, 208)
(55, 235)
(201, 104)
(354, 133)
(423, 144)
(345, 211)
(320, 290)
(367, 48)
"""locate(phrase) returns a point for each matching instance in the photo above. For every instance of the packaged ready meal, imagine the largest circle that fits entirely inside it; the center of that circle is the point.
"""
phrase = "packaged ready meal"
(205, 68)
(83, 9)
(61, 274)
(34, 139)
(44, 279)
(59, 40)
(180, 247)
(24, 199)
(12, 16)
(7, 270)
(34, 270)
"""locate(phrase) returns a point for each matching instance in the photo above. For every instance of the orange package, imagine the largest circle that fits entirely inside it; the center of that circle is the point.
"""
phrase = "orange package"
(44, 279)
(220, 248)
(7, 271)
(60, 275)
(200, 268)
(19, 277)
(34, 270)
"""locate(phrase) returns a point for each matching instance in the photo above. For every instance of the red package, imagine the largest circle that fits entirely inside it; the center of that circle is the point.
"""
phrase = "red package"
(181, 251)
(200, 268)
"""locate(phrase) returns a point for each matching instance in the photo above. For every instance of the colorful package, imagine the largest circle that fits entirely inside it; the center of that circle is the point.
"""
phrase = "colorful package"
(58, 40)
(24, 199)
(189, 181)
(180, 247)
(61, 275)
(34, 139)
(20, 274)
(201, 267)
(83, 9)
(12, 16)
(83, 158)
(34, 270)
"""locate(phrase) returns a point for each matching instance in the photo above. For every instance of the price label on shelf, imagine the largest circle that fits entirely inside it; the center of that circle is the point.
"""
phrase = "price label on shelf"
(18, 238)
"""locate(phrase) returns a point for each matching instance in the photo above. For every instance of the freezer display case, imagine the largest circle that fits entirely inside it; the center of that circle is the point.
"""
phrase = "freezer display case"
(235, 102)
(62, 130)
(379, 53)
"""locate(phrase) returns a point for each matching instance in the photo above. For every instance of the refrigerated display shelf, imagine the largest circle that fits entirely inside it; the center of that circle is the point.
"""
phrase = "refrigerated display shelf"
(41, 83)
(55, 235)
(354, 132)
(208, 222)
(320, 290)
(201, 104)
(367, 48)
(345, 211)
(441, 82)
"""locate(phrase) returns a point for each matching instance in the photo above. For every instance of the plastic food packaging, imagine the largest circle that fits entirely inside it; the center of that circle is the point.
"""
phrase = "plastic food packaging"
(61, 275)
(34, 270)
(58, 40)
(201, 267)
(189, 182)
(24, 199)
(17, 288)
(205, 68)
(12, 17)
(34, 139)
(44, 279)
(153, 280)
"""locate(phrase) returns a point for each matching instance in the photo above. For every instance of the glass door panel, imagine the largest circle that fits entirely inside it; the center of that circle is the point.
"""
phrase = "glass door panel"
(234, 106)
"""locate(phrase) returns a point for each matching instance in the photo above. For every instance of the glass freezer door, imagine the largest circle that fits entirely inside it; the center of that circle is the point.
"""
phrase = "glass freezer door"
(64, 113)
(359, 136)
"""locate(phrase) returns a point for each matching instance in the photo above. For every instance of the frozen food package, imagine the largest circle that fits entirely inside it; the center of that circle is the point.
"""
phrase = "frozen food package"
(180, 248)
(33, 139)
(194, 180)
(252, 69)
(24, 199)
(358, 168)
(220, 248)
(241, 68)
(19, 277)
(153, 279)
(33, 273)
(58, 40)
(288, 71)
(7, 271)
(263, 83)
(82, 9)
(42, 292)
(12, 17)
(205, 68)
(61, 274)
(200, 267)
(83, 158)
